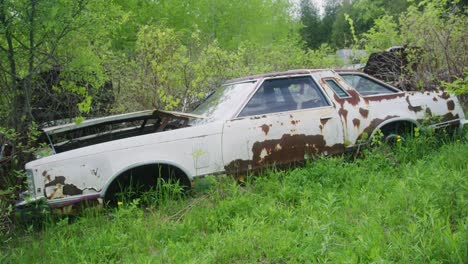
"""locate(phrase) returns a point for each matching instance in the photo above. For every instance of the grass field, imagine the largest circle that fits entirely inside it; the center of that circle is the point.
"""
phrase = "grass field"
(405, 205)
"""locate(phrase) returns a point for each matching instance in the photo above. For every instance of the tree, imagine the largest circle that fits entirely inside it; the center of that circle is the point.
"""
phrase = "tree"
(39, 36)
(228, 22)
(52, 56)
(312, 26)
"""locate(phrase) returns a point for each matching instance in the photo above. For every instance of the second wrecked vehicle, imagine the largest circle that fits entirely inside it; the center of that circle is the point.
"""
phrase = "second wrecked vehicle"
(247, 124)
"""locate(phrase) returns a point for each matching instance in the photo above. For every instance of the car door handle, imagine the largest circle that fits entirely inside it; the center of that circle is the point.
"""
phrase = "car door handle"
(326, 117)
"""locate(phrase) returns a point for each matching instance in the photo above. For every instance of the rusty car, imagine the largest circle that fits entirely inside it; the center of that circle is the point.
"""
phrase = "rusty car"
(246, 124)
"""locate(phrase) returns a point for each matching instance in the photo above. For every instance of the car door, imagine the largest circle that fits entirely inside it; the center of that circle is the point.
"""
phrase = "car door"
(285, 121)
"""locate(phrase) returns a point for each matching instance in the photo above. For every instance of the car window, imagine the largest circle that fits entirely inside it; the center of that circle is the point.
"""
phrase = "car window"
(366, 86)
(289, 94)
(223, 103)
(337, 88)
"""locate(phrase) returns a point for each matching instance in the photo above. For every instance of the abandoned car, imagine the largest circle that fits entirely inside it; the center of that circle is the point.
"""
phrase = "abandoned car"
(245, 125)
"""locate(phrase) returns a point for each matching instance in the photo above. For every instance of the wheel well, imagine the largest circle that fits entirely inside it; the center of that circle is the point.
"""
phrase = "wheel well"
(144, 178)
(398, 127)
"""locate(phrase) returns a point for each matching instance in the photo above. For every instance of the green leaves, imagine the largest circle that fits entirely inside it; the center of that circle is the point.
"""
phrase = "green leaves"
(382, 35)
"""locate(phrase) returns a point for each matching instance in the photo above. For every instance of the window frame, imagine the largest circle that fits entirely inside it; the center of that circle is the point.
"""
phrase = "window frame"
(339, 85)
(396, 90)
(262, 80)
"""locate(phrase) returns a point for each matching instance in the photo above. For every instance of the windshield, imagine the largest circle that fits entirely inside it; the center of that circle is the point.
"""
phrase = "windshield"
(224, 102)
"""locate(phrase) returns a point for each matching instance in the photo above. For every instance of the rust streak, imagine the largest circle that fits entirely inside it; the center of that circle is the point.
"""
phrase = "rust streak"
(364, 112)
(343, 113)
(356, 122)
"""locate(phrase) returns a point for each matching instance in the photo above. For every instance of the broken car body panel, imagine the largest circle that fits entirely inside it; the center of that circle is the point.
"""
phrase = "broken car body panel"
(248, 124)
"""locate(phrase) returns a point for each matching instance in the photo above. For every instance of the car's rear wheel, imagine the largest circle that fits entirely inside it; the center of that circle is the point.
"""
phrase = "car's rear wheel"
(397, 132)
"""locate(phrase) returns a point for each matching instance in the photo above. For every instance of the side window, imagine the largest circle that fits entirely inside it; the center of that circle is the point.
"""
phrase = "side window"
(280, 95)
(337, 88)
(366, 86)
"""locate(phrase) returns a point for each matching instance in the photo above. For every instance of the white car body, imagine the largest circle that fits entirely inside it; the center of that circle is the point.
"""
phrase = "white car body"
(235, 143)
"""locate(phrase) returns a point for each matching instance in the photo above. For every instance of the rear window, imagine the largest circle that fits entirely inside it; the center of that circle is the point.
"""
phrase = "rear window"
(366, 86)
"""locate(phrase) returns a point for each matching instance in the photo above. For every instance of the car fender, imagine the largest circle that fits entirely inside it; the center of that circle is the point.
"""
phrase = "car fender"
(393, 120)
(149, 162)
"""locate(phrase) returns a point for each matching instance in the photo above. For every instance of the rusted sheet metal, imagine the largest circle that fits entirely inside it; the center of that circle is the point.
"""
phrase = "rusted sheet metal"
(237, 145)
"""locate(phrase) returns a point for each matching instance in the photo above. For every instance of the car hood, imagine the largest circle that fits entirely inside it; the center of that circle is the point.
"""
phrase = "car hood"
(138, 141)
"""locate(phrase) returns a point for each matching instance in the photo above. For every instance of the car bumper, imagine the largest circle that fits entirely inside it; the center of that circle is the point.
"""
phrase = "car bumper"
(27, 200)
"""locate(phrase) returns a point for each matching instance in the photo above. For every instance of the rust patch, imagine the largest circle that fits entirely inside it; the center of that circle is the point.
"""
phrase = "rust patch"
(450, 105)
(44, 173)
(434, 99)
(354, 98)
(449, 117)
(444, 95)
(238, 166)
(413, 108)
(265, 128)
(62, 188)
(364, 112)
(286, 150)
(323, 121)
(339, 100)
(356, 122)
(70, 189)
(293, 148)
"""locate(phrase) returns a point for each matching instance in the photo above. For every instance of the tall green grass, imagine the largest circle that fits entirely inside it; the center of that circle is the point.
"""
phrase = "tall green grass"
(407, 204)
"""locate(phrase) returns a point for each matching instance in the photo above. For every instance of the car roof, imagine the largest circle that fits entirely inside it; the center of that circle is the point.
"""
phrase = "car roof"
(274, 74)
